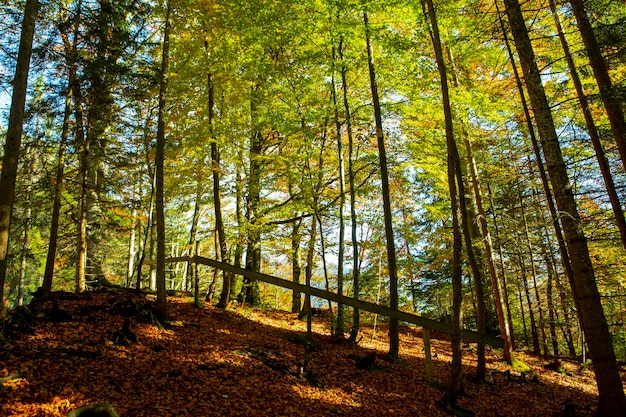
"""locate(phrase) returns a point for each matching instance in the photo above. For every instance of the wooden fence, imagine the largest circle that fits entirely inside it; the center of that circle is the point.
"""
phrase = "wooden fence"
(426, 323)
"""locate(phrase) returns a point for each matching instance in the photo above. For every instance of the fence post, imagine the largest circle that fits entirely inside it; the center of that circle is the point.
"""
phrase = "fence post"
(196, 284)
(429, 361)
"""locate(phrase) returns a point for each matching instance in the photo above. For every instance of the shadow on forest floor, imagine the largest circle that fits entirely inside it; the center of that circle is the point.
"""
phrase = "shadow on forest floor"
(248, 362)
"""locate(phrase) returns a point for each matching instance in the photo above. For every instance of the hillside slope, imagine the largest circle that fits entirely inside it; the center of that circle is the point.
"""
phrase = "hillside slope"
(244, 362)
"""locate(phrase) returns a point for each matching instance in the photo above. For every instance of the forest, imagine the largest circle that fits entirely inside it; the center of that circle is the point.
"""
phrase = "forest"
(461, 162)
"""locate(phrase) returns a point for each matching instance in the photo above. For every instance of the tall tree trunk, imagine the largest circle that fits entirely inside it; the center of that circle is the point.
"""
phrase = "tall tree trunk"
(25, 246)
(477, 273)
(565, 257)
(340, 325)
(46, 286)
(609, 96)
(132, 242)
(14, 138)
(308, 269)
(81, 244)
(99, 118)
(147, 238)
(296, 269)
(72, 84)
(195, 219)
(161, 302)
(505, 290)
(250, 289)
(238, 255)
(533, 273)
(394, 339)
(612, 401)
(605, 169)
(352, 188)
(552, 316)
(481, 218)
(455, 386)
(470, 234)
(533, 323)
(219, 225)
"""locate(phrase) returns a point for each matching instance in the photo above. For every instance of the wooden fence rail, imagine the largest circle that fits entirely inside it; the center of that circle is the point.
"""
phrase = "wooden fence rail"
(424, 322)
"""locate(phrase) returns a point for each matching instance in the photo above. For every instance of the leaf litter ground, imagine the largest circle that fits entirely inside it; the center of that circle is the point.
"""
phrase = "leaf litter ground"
(249, 362)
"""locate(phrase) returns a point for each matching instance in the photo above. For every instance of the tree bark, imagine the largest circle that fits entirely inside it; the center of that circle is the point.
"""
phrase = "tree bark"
(540, 329)
(46, 286)
(250, 289)
(14, 138)
(612, 401)
(296, 269)
(161, 302)
(394, 339)
(603, 79)
(340, 325)
(565, 257)
(455, 386)
(25, 247)
(505, 290)
(603, 163)
(352, 189)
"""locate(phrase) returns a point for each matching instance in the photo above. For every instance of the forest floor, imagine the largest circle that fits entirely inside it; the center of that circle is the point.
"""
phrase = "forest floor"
(247, 362)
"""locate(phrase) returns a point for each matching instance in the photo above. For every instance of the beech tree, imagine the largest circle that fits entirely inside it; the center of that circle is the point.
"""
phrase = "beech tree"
(584, 289)
(159, 163)
(14, 138)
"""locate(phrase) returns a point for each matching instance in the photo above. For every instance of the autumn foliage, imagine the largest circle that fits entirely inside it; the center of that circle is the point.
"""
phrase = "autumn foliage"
(246, 362)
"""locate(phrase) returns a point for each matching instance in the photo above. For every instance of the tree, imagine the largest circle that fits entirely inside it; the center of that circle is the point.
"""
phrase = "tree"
(14, 138)
(612, 400)
(603, 79)
(160, 156)
(394, 342)
(455, 386)
(70, 55)
(594, 135)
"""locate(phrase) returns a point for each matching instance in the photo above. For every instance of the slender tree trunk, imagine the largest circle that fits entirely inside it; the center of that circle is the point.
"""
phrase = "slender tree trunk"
(82, 144)
(296, 269)
(533, 273)
(250, 289)
(551, 309)
(195, 219)
(340, 325)
(70, 51)
(132, 242)
(531, 313)
(99, 117)
(486, 239)
(81, 245)
(612, 401)
(25, 248)
(353, 217)
(219, 225)
(455, 386)
(147, 239)
(521, 306)
(505, 290)
(470, 233)
(238, 255)
(46, 287)
(608, 94)
(394, 340)
(308, 270)
(565, 258)
(14, 138)
(161, 302)
(477, 270)
(603, 163)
